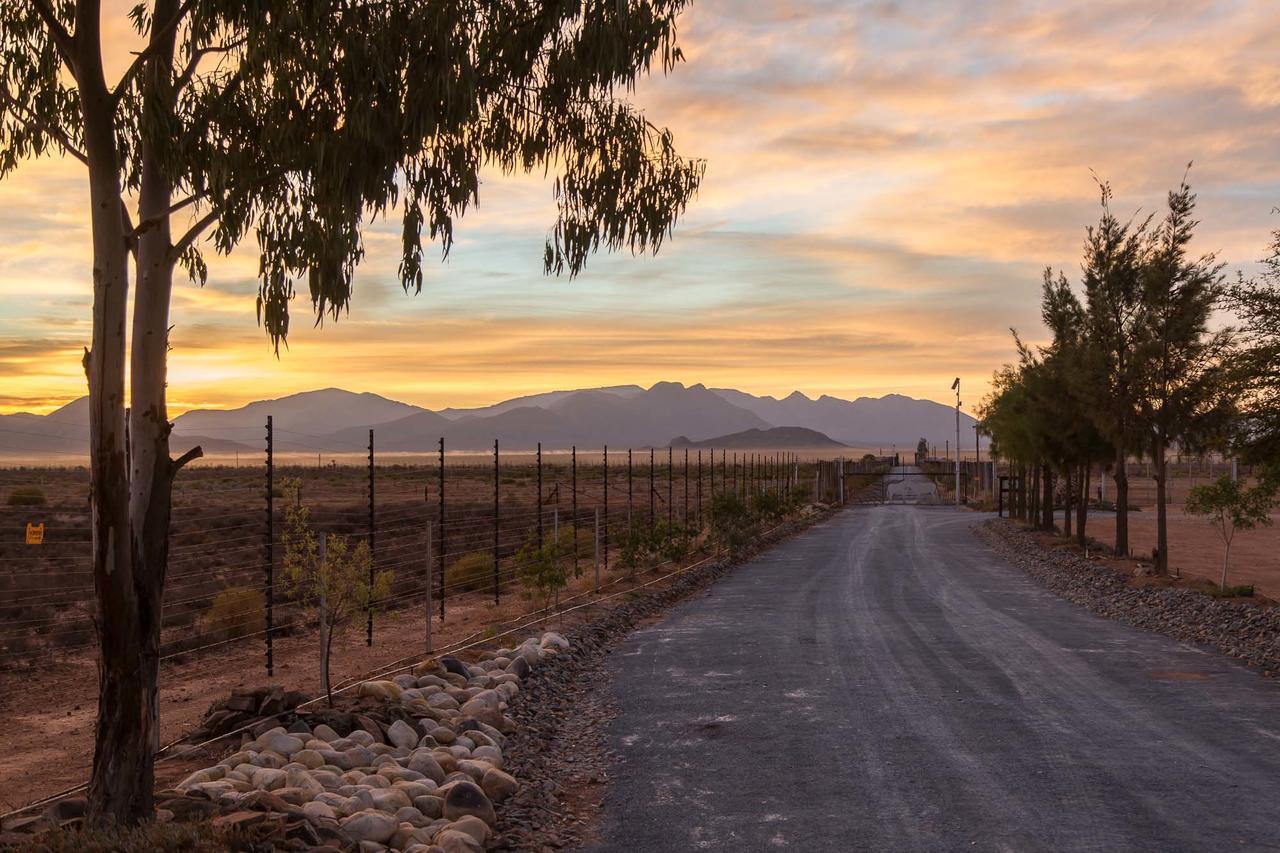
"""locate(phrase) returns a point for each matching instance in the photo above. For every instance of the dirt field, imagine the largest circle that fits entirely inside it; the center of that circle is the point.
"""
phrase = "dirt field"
(1196, 550)
(48, 678)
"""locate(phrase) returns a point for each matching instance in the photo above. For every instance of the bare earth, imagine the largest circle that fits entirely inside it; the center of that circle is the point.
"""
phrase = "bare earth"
(47, 744)
(1196, 549)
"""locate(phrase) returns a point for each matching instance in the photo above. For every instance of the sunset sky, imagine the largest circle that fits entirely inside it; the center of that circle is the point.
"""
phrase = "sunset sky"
(885, 182)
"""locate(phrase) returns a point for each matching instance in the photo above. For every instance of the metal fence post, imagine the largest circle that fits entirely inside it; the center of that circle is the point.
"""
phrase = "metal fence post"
(700, 489)
(539, 502)
(430, 559)
(686, 487)
(573, 510)
(442, 531)
(597, 558)
(497, 522)
(630, 491)
(671, 480)
(373, 552)
(269, 598)
(653, 504)
(606, 507)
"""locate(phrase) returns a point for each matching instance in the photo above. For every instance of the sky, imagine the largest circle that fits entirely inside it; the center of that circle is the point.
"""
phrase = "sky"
(885, 183)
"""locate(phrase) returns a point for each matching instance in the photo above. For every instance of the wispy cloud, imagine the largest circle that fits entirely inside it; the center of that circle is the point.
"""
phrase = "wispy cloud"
(886, 180)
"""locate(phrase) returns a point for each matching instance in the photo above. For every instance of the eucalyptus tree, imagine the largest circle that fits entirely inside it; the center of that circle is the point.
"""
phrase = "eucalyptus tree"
(294, 121)
(1115, 330)
(1185, 396)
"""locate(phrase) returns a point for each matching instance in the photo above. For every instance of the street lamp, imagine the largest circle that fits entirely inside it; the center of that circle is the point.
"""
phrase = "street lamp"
(955, 386)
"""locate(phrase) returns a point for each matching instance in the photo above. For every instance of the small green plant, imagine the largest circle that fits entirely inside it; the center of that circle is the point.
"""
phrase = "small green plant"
(328, 576)
(769, 506)
(27, 496)
(732, 524)
(471, 572)
(671, 541)
(541, 572)
(1244, 591)
(1231, 507)
(237, 611)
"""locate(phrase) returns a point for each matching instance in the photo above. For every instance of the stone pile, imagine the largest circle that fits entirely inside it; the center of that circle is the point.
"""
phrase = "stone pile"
(416, 765)
(244, 706)
(1245, 631)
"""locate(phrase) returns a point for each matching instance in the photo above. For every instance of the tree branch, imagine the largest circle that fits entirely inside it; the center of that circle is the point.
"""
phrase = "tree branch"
(190, 456)
(158, 38)
(189, 72)
(194, 232)
(22, 114)
(61, 37)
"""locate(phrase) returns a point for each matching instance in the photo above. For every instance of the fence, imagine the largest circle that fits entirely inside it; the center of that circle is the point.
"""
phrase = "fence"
(447, 524)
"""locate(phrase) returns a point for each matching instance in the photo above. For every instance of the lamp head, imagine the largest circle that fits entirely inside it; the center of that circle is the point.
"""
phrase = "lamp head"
(955, 385)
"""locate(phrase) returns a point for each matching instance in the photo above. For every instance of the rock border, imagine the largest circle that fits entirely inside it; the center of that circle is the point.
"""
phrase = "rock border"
(1243, 631)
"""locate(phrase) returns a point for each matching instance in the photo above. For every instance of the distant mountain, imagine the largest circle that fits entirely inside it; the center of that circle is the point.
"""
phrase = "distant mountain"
(778, 438)
(305, 421)
(336, 421)
(541, 401)
(63, 432)
(591, 418)
(862, 422)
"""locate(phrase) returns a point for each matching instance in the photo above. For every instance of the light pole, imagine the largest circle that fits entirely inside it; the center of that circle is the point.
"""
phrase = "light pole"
(955, 386)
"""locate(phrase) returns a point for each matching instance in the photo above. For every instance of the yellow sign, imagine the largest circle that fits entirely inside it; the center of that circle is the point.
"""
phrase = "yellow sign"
(35, 533)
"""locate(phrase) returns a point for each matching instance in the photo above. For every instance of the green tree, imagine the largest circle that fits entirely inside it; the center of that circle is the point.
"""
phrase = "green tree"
(294, 121)
(1112, 280)
(1230, 507)
(1256, 362)
(1181, 360)
(327, 576)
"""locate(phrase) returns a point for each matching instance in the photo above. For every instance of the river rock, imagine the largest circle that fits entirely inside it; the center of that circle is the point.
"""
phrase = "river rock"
(402, 734)
(467, 798)
(370, 826)
(497, 785)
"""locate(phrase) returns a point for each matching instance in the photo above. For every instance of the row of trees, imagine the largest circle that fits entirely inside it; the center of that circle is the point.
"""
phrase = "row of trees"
(1137, 364)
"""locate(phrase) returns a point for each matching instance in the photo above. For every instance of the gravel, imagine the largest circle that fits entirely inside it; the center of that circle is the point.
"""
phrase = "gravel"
(1245, 631)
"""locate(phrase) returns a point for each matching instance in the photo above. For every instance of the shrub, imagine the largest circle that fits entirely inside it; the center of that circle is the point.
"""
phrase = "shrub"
(27, 496)
(471, 572)
(541, 573)
(237, 611)
(732, 523)
(769, 505)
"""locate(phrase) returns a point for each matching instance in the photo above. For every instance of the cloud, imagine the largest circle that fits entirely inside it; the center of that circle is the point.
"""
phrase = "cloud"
(886, 179)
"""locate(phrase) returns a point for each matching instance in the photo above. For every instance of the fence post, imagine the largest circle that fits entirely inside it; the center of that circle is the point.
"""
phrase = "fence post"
(653, 503)
(270, 557)
(573, 510)
(440, 580)
(686, 487)
(373, 553)
(430, 559)
(597, 557)
(630, 491)
(671, 481)
(700, 489)
(539, 501)
(606, 507)
(497, 522)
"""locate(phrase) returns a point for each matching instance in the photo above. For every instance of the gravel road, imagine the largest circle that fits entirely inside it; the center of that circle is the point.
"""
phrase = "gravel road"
(883, 682)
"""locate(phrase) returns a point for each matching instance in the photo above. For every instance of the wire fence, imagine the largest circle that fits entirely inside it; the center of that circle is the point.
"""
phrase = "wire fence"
(449, 524)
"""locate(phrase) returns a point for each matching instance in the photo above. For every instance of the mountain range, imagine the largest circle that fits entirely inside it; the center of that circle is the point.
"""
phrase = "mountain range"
(336, 421)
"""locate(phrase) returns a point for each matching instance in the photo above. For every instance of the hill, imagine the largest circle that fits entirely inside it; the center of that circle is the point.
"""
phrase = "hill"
(777, 438)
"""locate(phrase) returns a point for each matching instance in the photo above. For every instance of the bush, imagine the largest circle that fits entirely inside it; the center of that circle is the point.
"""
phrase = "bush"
(769, 505)
(1245, 591)
(471, 572)
(237, 611)
(732, 523)
(542, 573)
(27, 496)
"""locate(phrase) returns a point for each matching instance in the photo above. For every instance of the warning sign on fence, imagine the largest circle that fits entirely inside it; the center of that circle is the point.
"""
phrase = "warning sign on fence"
(35, 533)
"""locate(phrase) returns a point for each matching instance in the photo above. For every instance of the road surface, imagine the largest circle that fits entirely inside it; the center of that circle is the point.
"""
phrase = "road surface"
(884, 683)
(907, 484)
